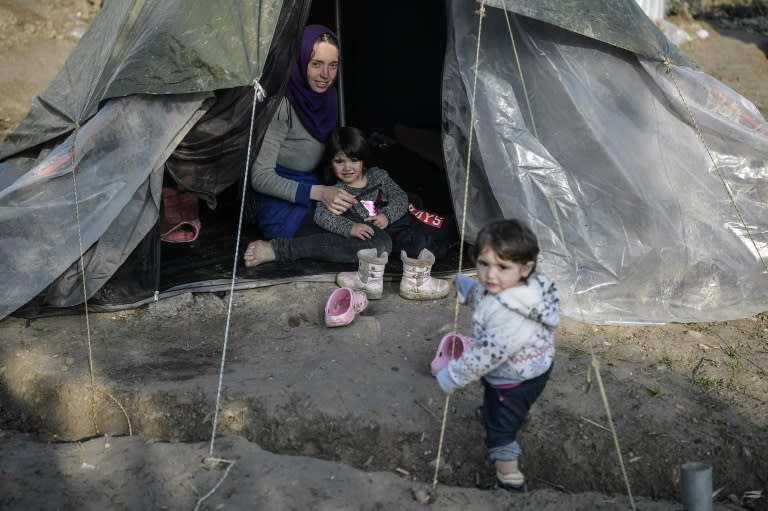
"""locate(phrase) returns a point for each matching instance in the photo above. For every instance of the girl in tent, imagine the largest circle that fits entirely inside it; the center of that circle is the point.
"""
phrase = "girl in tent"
(283, 180)
(365, 232)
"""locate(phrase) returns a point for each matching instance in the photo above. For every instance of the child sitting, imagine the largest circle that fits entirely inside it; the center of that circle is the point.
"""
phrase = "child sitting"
(515, 314)
(381, 206)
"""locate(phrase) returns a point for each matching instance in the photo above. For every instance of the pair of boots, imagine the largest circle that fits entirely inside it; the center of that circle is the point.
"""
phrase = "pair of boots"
(416, 284)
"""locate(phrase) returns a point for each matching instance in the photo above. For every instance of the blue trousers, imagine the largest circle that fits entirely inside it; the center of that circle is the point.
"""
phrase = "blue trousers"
(278, 218)
(505, 411)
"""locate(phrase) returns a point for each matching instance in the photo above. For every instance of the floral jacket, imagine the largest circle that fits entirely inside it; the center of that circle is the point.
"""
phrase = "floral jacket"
(514, 333)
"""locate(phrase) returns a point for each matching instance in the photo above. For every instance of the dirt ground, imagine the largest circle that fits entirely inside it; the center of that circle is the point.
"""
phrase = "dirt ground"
(349, 418)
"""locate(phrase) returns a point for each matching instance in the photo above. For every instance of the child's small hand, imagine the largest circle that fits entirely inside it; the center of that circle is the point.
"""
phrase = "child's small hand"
(361, 231)
(381, 221)
(445, 381)
(336, 200)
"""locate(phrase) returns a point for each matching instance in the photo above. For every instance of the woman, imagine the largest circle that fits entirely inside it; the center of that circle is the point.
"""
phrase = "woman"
(360, 234)
(283, 181)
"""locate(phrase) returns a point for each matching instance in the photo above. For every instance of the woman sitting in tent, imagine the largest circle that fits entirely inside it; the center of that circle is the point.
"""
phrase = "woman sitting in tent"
(283, 179)
(366, 233)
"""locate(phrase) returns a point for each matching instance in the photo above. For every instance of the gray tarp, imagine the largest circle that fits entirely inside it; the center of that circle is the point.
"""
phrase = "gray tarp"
(108, 164)
(119, 96)
(142, 47)
(634, 220)
(620, 23)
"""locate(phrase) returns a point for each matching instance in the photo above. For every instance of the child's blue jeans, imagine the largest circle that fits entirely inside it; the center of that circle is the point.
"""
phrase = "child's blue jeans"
(505, 411)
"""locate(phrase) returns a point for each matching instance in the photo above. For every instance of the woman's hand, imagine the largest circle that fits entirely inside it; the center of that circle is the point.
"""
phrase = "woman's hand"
(336, 200)
(361, 231)
(381, 221)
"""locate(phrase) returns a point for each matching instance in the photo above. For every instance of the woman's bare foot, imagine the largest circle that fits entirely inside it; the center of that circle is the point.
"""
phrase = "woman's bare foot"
(258, 252)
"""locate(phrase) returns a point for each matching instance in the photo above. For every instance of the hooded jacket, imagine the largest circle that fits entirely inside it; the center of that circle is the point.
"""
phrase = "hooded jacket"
(514, 332)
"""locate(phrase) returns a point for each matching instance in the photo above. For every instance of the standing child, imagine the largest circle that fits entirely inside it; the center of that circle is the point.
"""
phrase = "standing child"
(516, 312)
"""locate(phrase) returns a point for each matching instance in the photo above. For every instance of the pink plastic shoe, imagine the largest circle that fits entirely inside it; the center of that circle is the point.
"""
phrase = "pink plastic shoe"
(451, 346)
(343, 305)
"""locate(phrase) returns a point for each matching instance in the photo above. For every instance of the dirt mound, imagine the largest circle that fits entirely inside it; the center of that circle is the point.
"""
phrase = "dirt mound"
(362, 397)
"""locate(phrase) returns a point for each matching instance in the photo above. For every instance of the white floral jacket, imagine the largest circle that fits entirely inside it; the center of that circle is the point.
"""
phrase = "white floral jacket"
(514, 333)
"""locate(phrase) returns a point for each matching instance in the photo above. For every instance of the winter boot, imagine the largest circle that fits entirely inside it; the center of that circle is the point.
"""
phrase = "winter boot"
(369, 276)
(417, 284)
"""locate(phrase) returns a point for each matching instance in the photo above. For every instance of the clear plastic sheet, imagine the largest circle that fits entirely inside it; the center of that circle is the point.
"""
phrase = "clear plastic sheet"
(644, 216)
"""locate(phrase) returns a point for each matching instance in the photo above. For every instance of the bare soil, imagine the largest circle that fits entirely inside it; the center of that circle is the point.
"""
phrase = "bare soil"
(115, 410)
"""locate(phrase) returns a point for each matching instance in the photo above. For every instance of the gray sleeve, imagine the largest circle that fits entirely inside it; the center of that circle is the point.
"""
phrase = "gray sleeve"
(264, 178)
(333, 223)
(397, 204)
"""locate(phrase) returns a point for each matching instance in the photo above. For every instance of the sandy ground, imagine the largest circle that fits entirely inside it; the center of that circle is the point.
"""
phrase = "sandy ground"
(349, 418)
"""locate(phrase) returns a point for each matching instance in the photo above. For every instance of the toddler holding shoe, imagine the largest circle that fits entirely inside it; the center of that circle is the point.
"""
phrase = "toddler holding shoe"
(516, 311)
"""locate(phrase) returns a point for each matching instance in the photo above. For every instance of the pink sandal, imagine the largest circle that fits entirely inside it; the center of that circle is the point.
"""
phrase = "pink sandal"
(343, 306)
(451, 346)
(179, 222)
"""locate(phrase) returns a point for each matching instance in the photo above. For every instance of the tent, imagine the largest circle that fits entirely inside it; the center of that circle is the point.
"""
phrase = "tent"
(643, 177)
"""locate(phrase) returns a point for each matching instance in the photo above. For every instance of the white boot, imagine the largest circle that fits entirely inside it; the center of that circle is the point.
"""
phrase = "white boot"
(369, 276)
(417, 284)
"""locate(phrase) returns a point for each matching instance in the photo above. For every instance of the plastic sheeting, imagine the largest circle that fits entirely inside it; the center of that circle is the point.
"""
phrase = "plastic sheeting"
(83, 170)
(596, 148)
(591, 139)
(620, 23)
(99, 189)
(141, 47)
(655, 9)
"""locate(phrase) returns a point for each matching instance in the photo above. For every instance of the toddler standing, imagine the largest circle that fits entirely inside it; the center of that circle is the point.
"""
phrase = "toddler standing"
(516, 312)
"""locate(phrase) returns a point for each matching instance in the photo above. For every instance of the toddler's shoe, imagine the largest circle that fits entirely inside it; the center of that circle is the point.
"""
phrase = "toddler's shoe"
(450, 344)
(512, 482)
(343, 306)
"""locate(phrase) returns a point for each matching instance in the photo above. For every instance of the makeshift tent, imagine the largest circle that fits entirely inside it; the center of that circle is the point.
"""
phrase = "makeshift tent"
(644, 178)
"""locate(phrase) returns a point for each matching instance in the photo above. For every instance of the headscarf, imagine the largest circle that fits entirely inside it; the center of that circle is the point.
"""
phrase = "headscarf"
(318, 112)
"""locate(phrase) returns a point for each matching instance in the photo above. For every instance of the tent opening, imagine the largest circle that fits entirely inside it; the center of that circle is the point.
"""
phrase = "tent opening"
(392, 61)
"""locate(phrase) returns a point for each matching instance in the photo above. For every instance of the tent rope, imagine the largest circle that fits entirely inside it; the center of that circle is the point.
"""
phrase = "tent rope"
(229, 464)
(259, 95)
(520, 71)
(481, 14)
(81, 264)
(667, 62)
(89, 339)
(595, 362)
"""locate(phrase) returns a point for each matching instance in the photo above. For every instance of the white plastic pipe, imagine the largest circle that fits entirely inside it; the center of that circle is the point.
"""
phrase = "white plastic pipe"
(696, 480)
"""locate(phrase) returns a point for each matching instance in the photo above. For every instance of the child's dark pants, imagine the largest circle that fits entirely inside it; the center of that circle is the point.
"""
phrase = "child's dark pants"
(505, 411)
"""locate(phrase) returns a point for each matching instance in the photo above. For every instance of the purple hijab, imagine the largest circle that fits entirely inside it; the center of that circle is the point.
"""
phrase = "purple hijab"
(317, 112)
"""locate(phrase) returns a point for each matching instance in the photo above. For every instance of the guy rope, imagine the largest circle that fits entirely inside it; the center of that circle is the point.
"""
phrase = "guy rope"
(595, 366)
